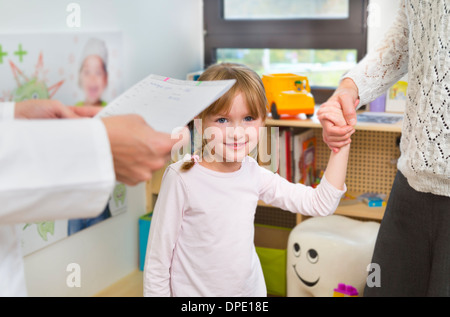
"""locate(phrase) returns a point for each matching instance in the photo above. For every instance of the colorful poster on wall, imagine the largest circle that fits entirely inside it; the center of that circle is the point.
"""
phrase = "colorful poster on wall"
(77, 69)
(396, 97)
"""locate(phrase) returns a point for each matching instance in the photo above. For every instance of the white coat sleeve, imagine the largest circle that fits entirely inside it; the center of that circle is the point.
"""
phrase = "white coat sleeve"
(278, 192)
(53, 169)
(164, 231)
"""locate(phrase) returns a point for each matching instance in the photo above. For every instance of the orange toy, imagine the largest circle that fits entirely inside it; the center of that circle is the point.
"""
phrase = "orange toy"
(288, 94)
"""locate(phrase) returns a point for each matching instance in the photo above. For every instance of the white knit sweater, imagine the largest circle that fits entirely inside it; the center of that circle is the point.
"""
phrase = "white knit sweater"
(418, 44)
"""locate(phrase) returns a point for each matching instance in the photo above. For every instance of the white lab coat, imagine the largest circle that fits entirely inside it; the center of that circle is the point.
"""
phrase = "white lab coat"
(49, 169)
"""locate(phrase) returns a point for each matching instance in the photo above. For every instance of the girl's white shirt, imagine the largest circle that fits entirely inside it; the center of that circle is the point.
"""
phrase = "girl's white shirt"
(202, 231)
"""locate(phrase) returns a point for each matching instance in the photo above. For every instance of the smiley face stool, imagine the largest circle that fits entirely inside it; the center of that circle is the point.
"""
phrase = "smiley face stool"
(323, 252)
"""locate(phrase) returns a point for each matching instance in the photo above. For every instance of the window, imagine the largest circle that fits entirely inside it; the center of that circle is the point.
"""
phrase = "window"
(321, 39)
(285, 9)
(323, 67)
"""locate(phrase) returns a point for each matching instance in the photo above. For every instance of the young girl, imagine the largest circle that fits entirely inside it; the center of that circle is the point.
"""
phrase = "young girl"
(202, 231)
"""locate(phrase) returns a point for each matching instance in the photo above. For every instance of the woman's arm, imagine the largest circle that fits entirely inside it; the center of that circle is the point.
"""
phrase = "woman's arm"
(373, 75)
(386, 64)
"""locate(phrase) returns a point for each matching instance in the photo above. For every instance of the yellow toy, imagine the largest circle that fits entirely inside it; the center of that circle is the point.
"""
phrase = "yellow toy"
(288, 94)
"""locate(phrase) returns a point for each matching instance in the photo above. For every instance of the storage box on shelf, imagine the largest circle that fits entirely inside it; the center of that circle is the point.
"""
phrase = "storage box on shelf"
(270, 243)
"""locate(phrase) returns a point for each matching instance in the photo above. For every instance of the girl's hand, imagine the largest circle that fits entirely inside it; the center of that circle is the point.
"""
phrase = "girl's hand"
(338, 115)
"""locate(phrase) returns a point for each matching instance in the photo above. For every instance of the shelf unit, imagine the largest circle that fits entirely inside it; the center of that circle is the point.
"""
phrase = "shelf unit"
(372, 166)
(372, 162)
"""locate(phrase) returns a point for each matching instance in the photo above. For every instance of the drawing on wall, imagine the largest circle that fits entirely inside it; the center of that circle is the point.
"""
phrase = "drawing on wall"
(396, 97)
(77, 69)
(118, 202)
(34, 87)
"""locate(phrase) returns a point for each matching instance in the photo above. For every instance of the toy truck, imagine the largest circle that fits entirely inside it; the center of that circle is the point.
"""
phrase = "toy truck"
(288, 94)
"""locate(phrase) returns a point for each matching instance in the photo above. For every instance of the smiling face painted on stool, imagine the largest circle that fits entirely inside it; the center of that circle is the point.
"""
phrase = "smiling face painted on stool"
(304, 266)
(326, 251)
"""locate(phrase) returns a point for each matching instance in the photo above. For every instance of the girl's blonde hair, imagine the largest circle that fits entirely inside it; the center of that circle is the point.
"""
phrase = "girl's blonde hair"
(247, 82)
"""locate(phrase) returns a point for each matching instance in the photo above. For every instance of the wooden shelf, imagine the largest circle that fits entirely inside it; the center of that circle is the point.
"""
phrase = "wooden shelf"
(361, 210)
(353, 209)
(370, 164)
(313, 122)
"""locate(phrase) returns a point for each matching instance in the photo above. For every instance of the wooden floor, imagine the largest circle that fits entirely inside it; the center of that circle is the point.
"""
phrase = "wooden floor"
(129, 286)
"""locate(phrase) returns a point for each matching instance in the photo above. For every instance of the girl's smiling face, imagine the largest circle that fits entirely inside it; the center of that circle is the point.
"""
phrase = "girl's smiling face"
(232, 136)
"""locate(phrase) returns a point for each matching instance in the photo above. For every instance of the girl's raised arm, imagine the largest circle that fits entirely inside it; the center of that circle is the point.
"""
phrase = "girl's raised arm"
(337, 167)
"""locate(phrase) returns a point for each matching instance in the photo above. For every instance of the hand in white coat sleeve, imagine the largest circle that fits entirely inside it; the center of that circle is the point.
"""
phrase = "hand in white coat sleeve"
(53, 169)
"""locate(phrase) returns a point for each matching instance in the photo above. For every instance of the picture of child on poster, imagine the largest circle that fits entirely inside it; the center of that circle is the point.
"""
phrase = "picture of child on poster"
(93, 81)
(93, 75)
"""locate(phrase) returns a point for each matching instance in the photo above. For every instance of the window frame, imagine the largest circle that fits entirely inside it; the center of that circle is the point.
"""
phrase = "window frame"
(350, 33)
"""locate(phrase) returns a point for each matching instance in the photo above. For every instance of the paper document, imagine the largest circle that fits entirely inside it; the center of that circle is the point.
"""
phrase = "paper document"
(167, 103)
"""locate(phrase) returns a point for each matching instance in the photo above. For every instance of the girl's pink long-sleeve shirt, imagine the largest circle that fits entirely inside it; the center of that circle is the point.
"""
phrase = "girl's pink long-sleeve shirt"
(202, 230)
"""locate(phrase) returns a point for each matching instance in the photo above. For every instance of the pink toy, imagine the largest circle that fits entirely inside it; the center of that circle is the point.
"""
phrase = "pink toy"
(345, 290)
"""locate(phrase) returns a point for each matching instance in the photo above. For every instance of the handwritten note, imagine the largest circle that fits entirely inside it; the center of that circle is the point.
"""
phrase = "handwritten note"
(167, 103)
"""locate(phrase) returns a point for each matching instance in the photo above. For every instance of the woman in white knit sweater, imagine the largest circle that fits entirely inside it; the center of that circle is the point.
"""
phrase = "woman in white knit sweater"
(413, 244)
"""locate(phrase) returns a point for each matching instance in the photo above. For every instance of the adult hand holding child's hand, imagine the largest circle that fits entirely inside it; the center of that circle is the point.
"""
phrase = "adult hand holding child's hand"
(338, 115)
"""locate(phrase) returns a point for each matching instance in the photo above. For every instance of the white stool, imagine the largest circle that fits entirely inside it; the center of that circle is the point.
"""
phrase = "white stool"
(326, 251)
